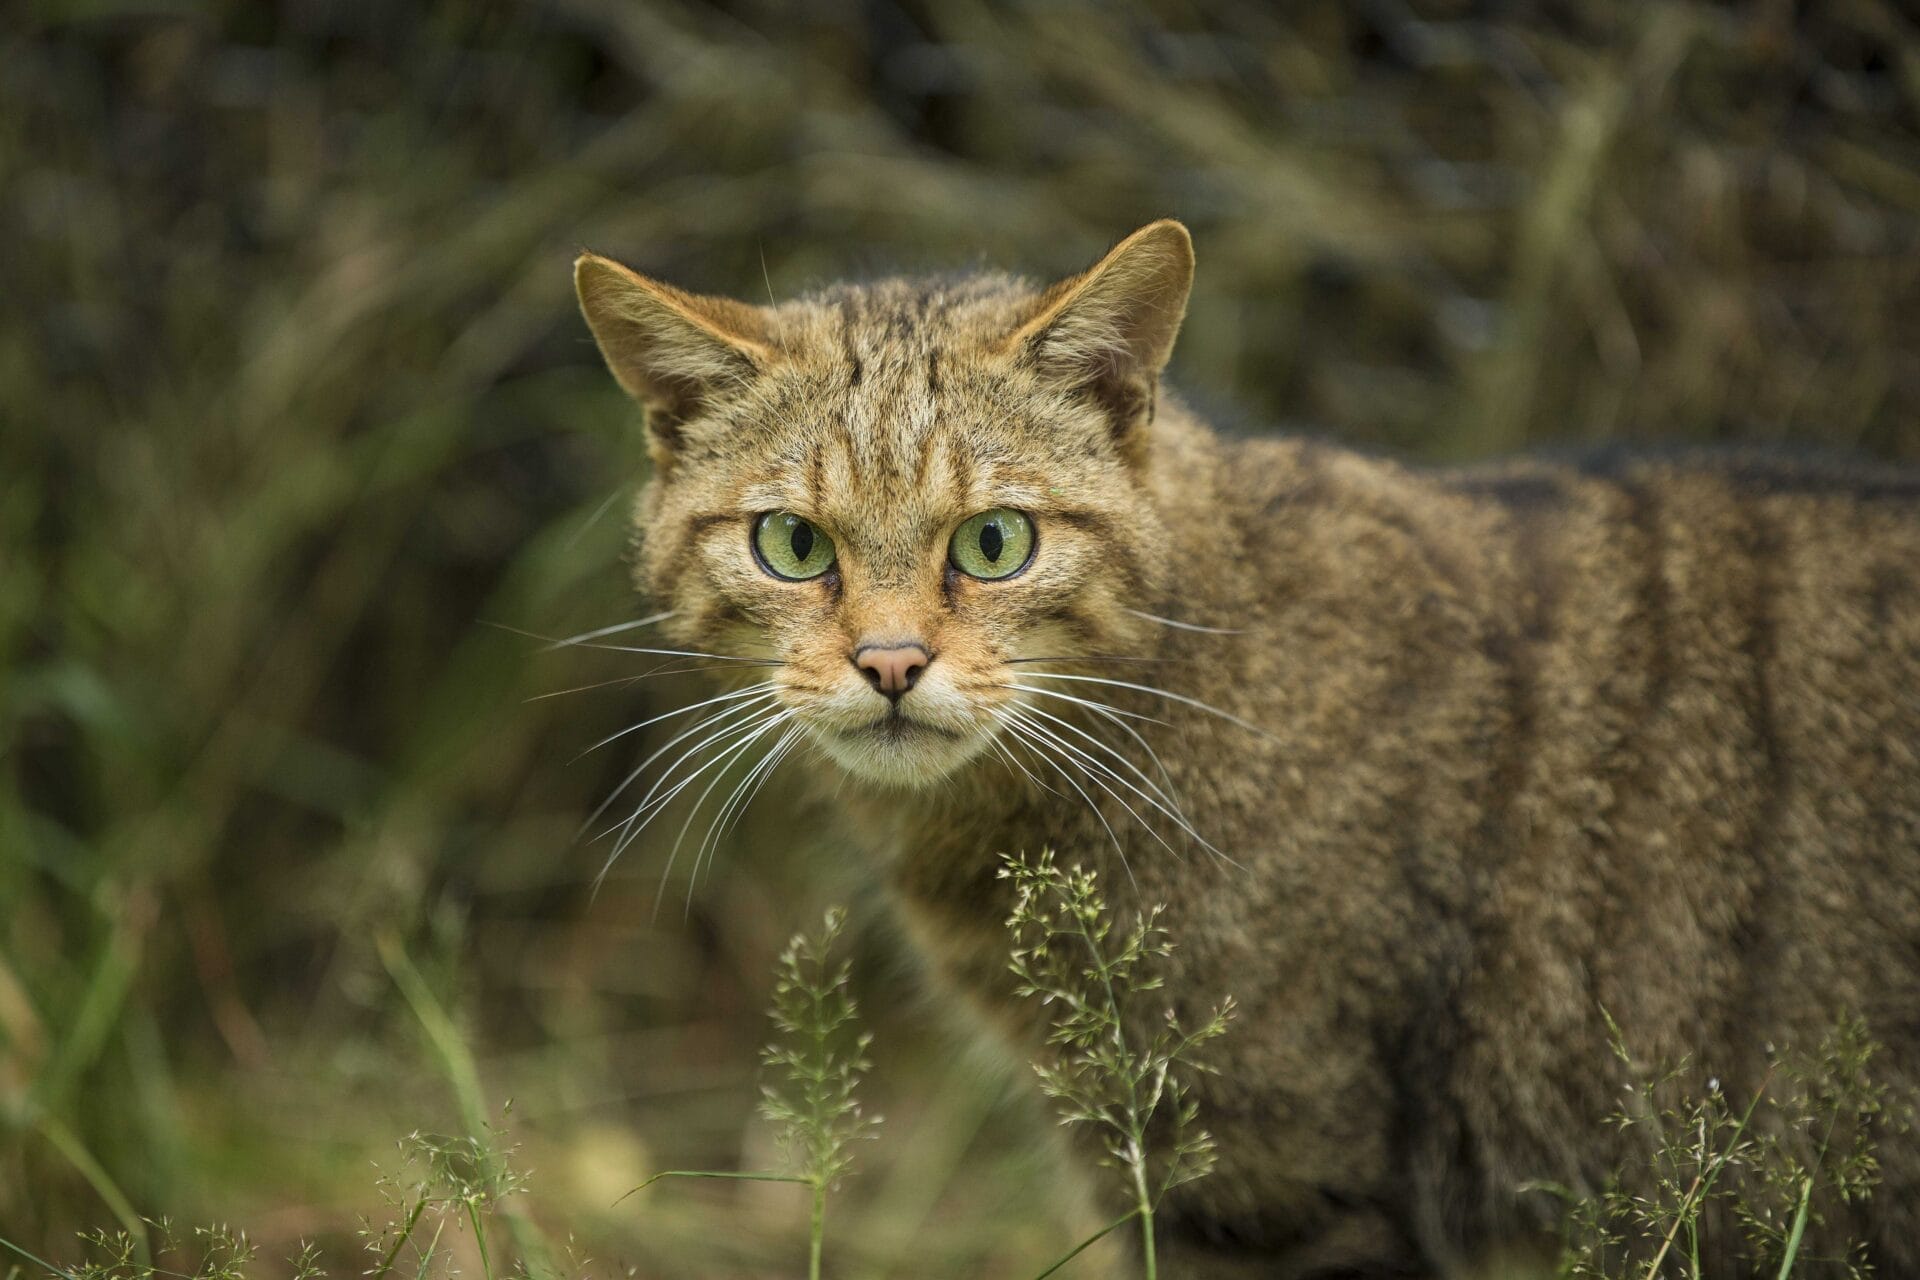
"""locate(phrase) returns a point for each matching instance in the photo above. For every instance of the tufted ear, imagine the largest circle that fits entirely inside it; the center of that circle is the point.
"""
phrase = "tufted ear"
(672, 351)
(1111, 328)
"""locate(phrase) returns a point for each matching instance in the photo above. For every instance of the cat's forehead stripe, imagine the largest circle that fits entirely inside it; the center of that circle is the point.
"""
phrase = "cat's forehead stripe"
(835, 488)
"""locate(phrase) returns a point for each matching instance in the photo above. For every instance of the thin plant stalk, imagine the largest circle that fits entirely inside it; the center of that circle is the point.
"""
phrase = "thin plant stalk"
(406, 1233)
(1145, 1213)
(1089, 1242)
(817, 1231)
(1799, 1228)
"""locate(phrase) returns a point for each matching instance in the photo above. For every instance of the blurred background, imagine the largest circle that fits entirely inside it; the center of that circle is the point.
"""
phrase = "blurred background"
(295, 403)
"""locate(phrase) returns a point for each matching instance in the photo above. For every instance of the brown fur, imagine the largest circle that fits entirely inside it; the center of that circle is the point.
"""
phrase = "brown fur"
(1640, 734)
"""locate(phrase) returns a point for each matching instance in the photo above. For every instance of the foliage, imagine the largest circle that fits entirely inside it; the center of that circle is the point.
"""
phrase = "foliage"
(1760, 1178)
(815, 1110)
(207, 1253)
(1755, 1180)
(441, 1181)
(1133, 1088)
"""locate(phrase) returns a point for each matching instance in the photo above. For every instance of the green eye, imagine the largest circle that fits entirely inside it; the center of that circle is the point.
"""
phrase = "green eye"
(788, 546)
(993, 544)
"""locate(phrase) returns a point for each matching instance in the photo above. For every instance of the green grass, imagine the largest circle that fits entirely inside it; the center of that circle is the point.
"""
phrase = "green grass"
(1717, 1180)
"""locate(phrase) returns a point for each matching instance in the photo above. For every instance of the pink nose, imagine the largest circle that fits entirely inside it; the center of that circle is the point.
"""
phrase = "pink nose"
(891, 668)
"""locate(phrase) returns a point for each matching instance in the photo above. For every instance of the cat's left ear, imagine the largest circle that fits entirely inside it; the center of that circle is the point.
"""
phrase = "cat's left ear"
(1111, 328)
(671, 350)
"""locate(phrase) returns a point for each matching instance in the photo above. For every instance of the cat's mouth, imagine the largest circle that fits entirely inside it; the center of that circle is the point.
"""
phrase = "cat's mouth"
(901, 728)
(899, 749)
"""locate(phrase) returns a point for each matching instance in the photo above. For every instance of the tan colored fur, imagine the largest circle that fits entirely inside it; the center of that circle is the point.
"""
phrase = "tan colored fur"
(1641, 734)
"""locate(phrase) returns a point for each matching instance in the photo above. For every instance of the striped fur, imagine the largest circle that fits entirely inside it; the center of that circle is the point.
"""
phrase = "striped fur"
(1639, 734)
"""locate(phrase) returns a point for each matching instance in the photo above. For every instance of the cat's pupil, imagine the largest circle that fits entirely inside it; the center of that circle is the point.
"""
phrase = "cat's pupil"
(802, 541)
(991, 541)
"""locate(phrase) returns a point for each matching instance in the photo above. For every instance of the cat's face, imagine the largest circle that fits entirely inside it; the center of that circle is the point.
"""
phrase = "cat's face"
(900, 494)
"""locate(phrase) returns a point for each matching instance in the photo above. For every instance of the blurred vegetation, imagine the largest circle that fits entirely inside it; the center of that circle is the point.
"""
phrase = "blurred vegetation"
(294, 401)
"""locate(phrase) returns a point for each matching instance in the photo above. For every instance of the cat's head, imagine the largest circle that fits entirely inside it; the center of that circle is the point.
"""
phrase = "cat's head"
(897, 491)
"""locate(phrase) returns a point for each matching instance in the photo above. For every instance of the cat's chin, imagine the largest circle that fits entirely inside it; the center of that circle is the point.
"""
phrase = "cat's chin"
(900, 752)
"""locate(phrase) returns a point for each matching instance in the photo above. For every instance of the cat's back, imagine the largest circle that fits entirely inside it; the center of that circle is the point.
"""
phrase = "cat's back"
(1744, 624)
(1786, 584)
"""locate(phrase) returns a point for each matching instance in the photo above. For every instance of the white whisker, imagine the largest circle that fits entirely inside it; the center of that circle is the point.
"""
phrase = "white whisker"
(737, 803)
(594, 519)
(1085, 702)
(1106, 747)
(1228, 716)
(771, 761)
(683, 653)
(672, 668)
(1092, 657)
(1114, 715)
(585, 688)
(749, 706)
(717, 827)
(1096, 773)
(1068, 778)
(724, 759)
(1172, 809)
(655, 802)
(1014, 761)
(615, 629)
(730, 696)
(1185, 626)
(552, 643)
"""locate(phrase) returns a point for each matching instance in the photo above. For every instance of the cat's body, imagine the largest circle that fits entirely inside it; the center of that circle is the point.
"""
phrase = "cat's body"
(1533, 742)
(1639, 735)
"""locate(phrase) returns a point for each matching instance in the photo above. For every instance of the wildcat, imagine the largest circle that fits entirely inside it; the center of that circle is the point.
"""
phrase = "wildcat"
(1443, 764)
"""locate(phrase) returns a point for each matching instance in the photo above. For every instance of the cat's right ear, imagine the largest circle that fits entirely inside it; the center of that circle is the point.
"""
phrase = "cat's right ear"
(1110, 329)
(672, 351)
